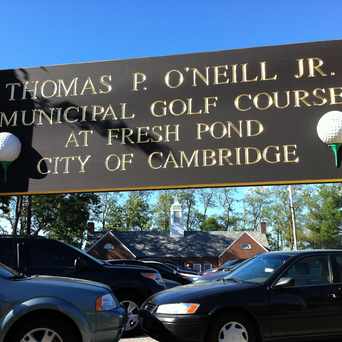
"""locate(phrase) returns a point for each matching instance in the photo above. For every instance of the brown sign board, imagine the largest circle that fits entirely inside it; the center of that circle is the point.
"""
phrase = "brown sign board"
(228, 118)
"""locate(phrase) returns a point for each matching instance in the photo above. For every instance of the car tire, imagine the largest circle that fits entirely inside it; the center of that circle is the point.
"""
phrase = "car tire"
(40, 327)
(132, 304)
(231, 328)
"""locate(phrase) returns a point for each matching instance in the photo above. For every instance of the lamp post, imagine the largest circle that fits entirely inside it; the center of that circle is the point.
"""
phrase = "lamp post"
(293, 219)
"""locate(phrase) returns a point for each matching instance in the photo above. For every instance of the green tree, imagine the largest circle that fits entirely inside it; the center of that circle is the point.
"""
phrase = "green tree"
(254, 202)
(277, 213)
(161, 210)
(191, 216)
(63, 217)
(10, 212)
(207, 198)
(325, 216)
(115, 218)
(229, 218)
(110, 211)
(211, 224)
(137, 212)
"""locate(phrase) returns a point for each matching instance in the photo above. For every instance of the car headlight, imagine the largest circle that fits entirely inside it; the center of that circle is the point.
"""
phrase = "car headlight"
(106, 302)
(178, 308)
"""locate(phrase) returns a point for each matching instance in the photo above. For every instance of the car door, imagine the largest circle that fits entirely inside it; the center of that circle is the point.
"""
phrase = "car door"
(4, 301)
(302, 308)
(335, 295)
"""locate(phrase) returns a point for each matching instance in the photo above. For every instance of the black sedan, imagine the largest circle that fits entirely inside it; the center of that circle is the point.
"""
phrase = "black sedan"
(278, 295)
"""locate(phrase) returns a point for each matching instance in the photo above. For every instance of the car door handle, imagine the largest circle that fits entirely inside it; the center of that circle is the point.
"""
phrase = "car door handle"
(333, 296)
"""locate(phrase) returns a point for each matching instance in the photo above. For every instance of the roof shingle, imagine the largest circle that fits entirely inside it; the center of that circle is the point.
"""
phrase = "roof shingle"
(193, 244)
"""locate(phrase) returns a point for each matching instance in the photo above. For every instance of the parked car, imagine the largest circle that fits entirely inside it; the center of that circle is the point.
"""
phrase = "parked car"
(222, 273)
(185, 270)
(171, 276)
(132, 284)
(276, 295)
(55, 309)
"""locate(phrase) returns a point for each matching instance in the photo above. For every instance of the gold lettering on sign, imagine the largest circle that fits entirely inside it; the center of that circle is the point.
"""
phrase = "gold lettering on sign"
(223, 157)
(48, 89)
(179, 107)
(62, 165)
(297, 98)
(309, 67)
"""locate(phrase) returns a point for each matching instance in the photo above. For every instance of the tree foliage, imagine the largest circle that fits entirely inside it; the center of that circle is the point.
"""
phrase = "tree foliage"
(229, 219)
(317, 209)
(325, 216)
(137, 212)
(63, 217)
(161, 210)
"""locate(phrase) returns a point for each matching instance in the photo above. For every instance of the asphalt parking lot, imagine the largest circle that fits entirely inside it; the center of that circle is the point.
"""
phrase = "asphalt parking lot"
(149, 339)
(138, 339)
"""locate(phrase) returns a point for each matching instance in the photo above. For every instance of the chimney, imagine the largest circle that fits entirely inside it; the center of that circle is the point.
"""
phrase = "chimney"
(90, 230)
(263, 227)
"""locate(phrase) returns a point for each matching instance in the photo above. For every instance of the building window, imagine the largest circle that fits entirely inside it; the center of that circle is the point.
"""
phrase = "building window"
(245, 246)
(207, 267)
(197, 267)
(108, 247)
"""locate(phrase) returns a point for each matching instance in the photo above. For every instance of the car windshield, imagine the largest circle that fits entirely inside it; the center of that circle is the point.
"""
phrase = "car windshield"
(87, 255)
(6, 272)
(259, 269)
(230, 262)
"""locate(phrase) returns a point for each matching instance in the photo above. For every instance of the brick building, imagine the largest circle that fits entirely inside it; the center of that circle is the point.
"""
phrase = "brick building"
(200, 250)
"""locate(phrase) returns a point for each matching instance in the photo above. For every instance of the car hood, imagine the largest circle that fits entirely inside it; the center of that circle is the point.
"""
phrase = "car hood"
(195, 292)
(213, 276)
(64, 282)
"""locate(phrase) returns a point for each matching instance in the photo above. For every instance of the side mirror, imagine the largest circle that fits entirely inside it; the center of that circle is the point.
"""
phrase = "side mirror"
(80, 264)
(284, 282)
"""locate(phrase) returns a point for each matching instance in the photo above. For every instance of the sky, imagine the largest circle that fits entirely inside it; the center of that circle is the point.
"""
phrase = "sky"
(41, 33)
(36, 32)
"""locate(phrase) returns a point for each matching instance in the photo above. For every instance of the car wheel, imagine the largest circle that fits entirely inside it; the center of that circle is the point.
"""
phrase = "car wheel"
(231, 328)
(132, 306)
(43, 330)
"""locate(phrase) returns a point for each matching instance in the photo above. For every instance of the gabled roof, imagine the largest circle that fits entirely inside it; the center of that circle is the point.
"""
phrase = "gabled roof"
(193, 244)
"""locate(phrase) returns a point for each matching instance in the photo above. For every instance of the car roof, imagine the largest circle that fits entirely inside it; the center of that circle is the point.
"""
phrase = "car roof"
(305, 252)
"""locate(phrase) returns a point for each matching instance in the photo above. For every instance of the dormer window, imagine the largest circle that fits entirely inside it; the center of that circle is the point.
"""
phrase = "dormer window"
(245, 246)
(108, 247)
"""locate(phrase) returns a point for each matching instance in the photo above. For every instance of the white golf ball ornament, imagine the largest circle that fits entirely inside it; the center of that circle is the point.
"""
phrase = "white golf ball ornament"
(329, 130)
(10, 148)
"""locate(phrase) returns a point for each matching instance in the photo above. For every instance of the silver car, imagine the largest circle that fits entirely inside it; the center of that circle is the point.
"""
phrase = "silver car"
(55, 309)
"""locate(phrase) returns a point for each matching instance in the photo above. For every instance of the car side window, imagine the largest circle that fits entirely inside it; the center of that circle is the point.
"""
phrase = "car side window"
(46, 253)
(8, 252)
(337, 269)
(310, 271)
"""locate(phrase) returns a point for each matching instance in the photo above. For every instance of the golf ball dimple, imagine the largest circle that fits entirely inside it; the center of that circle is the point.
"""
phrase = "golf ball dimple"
(329, 127)
(10, 147)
